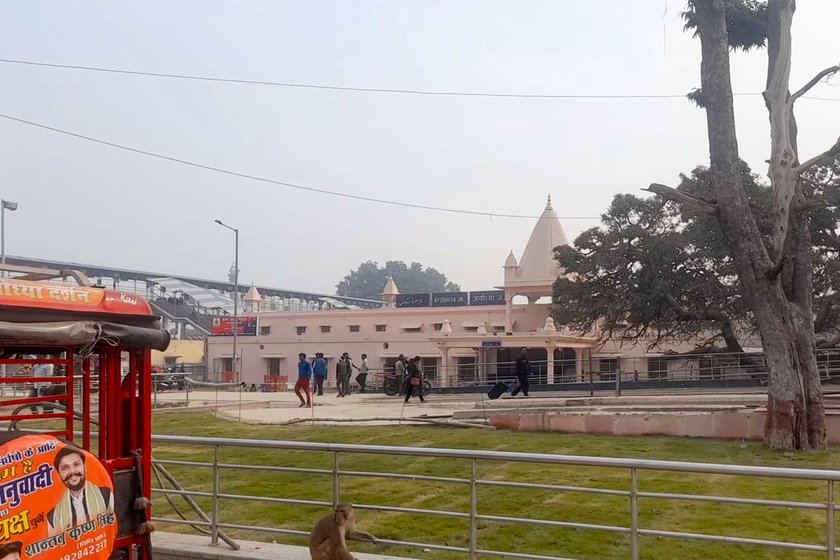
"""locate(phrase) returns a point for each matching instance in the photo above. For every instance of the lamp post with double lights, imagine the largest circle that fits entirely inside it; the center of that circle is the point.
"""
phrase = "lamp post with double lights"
(235, 293)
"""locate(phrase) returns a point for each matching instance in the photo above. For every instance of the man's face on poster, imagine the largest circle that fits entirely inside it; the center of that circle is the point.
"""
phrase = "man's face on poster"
(10, 550)
(71, 469)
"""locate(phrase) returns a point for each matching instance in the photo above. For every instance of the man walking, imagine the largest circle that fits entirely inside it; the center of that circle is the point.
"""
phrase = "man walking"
(319, 370)
(361, 379)
(343, 370)
(302, 385)
(523, 370)
(400, 370)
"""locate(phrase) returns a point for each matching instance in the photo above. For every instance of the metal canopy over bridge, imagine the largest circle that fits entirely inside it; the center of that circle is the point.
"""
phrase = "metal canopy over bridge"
(122, 274)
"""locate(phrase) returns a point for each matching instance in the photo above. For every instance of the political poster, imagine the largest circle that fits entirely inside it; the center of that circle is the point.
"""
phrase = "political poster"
(56, 501)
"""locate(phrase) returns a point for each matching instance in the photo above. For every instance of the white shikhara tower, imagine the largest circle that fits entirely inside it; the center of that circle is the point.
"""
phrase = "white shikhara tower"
(534, 275)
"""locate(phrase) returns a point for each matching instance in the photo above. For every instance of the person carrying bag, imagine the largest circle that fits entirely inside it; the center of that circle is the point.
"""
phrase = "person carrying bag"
(415, 379)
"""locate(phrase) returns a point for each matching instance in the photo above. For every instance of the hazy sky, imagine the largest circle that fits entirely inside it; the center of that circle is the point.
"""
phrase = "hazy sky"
(95, 204)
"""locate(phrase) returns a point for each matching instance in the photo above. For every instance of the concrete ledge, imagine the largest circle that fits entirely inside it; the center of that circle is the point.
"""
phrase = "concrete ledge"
(748, 425)
(177, 546)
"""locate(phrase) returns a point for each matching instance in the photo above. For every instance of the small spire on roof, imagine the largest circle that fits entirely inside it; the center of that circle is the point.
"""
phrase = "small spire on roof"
(511, 261)
(253, 295)
(390, 287)
(548, 204)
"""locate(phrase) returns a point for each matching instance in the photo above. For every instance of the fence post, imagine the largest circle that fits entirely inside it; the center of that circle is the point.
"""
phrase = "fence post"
(214, 519)
(618, 379)
(336, 487)
(634, 516)
(830, 522)
(473, 511)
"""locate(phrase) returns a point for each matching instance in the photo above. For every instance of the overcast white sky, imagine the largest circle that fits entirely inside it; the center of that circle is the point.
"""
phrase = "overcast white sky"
(97, 205)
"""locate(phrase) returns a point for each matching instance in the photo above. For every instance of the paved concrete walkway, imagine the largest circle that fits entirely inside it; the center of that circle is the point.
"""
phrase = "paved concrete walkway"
(176, 546)
(278, 408)
(379, 409)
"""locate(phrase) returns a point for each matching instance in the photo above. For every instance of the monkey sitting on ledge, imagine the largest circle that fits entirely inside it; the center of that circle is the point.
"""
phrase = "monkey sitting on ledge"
(328, 540)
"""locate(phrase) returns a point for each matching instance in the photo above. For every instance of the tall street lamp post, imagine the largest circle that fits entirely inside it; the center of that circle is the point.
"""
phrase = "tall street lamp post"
(235, 293)
(11, 207)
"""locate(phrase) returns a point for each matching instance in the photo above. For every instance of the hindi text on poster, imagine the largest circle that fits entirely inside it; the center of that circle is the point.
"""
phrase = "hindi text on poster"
(56, 501)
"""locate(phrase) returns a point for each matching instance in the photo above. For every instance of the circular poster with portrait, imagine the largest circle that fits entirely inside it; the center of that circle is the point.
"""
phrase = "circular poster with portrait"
(56, 502)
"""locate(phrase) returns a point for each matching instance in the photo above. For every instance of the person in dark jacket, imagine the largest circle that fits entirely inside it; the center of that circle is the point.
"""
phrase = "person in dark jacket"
(319, 372)
(415, 379)
(523, 371)
(343, 369)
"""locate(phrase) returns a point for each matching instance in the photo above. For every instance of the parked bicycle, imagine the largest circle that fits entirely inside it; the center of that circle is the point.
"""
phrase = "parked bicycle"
(393, 386)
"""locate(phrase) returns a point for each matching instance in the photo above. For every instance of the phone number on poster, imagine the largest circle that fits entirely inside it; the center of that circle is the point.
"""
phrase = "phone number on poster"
(87, 551)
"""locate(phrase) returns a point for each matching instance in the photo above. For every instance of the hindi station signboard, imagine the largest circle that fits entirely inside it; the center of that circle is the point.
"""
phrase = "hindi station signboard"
(487, 297)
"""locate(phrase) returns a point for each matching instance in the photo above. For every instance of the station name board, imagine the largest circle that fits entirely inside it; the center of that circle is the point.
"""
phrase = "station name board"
(451, 299)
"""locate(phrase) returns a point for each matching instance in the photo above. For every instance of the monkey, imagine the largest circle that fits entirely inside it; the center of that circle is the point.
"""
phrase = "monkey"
(328, 540)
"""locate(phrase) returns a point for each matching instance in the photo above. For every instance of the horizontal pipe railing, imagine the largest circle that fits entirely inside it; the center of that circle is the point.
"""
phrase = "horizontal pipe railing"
(474, 515)
(577, 460)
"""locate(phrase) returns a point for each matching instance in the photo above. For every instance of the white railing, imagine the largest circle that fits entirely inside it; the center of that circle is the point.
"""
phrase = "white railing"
(474, 509)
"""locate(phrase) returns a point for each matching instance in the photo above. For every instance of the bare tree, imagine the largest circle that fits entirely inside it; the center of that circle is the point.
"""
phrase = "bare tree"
(776, 276)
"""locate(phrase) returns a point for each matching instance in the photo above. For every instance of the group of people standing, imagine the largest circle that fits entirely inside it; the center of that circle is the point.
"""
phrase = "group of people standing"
(317, 369)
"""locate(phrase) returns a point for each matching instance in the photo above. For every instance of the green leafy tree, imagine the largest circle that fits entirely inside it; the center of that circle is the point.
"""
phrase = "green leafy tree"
(823, 186)
(369, 279)
(655, 272)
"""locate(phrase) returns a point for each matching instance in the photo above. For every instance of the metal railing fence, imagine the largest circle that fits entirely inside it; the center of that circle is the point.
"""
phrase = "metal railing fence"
(605, 372)
(476, 513)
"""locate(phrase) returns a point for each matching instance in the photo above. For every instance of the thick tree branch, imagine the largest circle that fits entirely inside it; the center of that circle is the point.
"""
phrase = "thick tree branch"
(672, 194)
(813, 204)
(826, 157)
(825, 306)
(830, 343)
(795, 212)
(719, 317)
(774, 271)
(814, 81)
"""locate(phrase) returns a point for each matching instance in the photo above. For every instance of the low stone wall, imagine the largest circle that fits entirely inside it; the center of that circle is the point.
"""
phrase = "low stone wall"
(721, 425)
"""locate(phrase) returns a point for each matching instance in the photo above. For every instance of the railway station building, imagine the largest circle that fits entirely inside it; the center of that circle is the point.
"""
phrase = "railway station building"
(462, 338)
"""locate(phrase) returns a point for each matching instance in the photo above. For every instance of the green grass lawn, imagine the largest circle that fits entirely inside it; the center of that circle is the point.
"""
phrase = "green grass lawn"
(794, 525)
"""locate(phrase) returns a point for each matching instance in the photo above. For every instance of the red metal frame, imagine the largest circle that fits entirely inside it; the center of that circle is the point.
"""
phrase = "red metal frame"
(125, 405)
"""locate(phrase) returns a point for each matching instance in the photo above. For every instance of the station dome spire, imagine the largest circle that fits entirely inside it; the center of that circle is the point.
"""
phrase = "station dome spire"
(537, 265)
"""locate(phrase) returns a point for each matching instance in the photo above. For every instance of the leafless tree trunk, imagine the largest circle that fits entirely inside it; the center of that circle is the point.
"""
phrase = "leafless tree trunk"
(776, 280)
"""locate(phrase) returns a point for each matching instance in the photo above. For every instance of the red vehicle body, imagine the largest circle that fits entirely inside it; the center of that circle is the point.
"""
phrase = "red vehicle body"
(86, 332)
